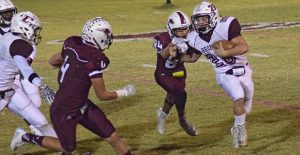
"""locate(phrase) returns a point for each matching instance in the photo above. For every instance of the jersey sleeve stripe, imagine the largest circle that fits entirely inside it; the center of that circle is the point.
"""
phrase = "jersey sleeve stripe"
(95, 72)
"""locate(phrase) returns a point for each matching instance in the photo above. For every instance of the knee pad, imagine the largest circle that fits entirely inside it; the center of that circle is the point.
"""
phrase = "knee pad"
(35, 99)
(34, 116)
(19, 101)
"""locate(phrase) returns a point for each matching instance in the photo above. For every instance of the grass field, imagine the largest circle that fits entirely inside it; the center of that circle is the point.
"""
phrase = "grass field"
(273, 125)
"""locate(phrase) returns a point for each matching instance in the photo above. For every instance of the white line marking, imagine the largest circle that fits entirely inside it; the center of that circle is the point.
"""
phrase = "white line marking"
(149, 65)
(259, 55)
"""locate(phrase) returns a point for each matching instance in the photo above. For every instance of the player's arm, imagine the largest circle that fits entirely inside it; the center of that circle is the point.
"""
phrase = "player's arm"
(165, 52)
(100, 90)
(103, 94)
(241, 47)
(170, 50)
(191, 56)
(234, 35)
(56, 60)
(20, 51)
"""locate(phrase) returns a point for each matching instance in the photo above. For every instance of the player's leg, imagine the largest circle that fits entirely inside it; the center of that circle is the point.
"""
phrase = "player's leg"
(232, 86)
(168, 104)
(22, 137)
(18, 83)
(96, 121)
(21, 105)
(248, 86)
(162, 113)
(180, 102)
(65, 127)
(119, 146)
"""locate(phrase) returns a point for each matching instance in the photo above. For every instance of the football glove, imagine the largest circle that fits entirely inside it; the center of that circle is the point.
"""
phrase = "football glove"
(47, 93)
(128, 90)
(181, 44)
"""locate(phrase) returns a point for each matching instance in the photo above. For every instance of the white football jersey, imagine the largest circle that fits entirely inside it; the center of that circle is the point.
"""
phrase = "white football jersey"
(220, 32)
(8, 67)
(4, 30)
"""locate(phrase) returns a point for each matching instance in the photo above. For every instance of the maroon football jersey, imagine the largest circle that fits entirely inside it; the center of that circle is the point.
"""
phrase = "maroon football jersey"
(81, 64)
(166, 66)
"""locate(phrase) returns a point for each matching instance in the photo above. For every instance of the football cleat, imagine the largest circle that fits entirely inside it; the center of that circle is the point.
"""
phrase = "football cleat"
(235, 136)
(188, 128)
(17, 139)
(243, 135)
(161, 121)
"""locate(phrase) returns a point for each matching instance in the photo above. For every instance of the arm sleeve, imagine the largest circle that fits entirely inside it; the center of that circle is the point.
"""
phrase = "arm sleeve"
(234, 29)
(96, 65)
(26, 70)
(20, 47)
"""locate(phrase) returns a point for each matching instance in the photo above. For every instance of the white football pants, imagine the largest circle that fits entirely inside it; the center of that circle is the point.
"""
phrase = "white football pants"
(238, 87)
(22, 105)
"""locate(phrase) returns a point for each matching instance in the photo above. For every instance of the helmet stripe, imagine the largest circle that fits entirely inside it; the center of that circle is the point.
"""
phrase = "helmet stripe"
(182, 20)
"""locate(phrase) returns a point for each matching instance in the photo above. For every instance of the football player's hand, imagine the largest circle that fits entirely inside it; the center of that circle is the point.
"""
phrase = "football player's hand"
(181, 44)
(182, 47)
(128, 90)
(172, 52)
(220, 50)
(47, 93)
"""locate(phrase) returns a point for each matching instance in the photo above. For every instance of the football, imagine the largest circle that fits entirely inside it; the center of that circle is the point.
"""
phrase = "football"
(225, 44)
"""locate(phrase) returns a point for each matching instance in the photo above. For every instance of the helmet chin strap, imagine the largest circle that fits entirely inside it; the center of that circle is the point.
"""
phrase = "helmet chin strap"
(98, 46)
(89, 44)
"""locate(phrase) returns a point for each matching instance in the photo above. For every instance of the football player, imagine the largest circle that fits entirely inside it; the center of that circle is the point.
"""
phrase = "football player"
(7, 10)
(233, 72)
(82, 62)
(172, 51)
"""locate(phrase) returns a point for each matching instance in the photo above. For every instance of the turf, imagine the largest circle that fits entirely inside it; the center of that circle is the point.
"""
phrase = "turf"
(273, 126)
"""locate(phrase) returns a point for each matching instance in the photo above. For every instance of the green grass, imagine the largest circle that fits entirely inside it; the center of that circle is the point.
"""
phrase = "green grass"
(277, 77)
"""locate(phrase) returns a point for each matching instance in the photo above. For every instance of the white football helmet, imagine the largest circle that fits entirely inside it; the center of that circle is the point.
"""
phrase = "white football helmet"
(177, 20)
(97, 32)
(205, 9)
(7, 10)
(28, 25)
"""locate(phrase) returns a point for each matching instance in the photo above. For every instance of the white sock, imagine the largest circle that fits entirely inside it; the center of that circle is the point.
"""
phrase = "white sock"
(47, 130)
(248, 105)
(239, 120)
(34, 130)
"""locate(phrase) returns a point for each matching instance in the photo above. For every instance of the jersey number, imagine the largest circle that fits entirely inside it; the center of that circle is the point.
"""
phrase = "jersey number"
(64, 69)
(157, 45)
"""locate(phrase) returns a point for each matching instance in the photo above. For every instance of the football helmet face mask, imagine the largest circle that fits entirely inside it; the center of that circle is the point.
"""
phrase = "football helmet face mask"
(98, 33)
(201, 12)
(177, 21)
(7, 10)
(28, 25)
